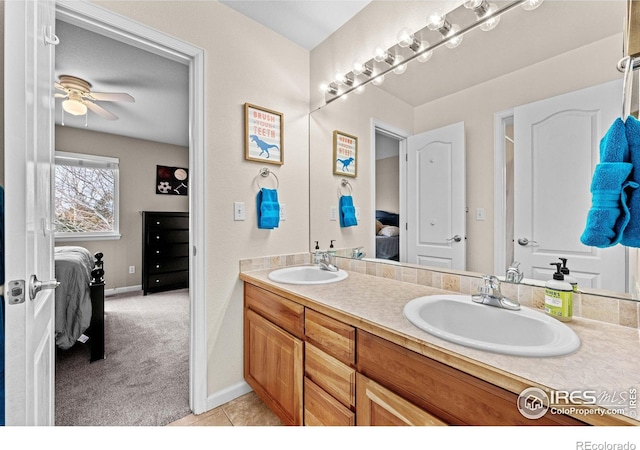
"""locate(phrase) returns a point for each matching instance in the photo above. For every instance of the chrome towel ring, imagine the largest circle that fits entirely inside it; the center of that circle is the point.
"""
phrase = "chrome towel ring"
(344, 184)
(264, 173)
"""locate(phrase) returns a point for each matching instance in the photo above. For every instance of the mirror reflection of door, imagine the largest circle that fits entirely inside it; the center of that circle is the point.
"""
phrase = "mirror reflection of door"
(387, 198)
(436, 192)
(556, 150)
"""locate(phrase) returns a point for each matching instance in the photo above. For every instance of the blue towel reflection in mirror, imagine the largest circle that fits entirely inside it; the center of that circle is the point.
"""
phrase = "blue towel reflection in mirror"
(268, 209)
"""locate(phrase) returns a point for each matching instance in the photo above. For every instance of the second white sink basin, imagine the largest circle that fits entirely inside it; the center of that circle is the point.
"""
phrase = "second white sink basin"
(306, 275)
(456, 318)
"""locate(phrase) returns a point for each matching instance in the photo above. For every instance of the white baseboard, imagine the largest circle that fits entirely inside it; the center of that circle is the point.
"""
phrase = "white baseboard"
(122, 290)
(228, 394)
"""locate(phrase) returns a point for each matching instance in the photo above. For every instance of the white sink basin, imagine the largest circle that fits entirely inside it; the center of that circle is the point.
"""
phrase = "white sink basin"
(456, 318)
(306, 275)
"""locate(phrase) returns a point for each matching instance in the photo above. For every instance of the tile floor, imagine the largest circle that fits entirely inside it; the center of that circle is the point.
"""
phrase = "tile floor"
(247, 410)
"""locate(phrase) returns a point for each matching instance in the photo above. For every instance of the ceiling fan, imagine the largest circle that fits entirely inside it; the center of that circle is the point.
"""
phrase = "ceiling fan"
(78, 97)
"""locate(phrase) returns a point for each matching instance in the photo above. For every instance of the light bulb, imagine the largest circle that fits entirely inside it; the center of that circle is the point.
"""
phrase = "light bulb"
(74, 107)
(435, 21)
(339, 79)
(359, 90)
(530, 5)
(378, 80)
(358, 67)
(399, 67)
(425, 56)
(493, 22)
(405, 38)
(380, 53)
(453, 42)
(472, 4)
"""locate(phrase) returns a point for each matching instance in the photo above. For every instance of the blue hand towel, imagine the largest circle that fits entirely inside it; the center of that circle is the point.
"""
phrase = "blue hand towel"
(347, 212)
(609, 214)
(268, 209)
(631, 234)
(614, 146)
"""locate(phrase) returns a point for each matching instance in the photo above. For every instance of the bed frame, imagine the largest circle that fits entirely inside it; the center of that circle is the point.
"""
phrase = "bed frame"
(95, 332)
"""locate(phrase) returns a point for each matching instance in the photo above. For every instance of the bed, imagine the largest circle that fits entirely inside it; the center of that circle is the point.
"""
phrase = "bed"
(387, 235)
(79, 299)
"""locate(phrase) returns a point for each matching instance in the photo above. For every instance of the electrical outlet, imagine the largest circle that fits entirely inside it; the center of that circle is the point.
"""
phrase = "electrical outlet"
(238, 211)
(283, 211)
(132, 269)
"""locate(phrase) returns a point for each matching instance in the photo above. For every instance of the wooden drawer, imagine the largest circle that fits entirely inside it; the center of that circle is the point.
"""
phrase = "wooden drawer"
(166, 251)
(331, 336)
(162, 280)
(284, 313)
(321, 409)
(168, 265)
(378, 406)
(335, 377)
(168, 222)
(454, 396)
(168, 237)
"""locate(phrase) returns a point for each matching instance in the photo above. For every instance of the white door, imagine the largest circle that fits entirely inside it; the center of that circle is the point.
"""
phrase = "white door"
(436, 222)
(556, 150)
(29, 152)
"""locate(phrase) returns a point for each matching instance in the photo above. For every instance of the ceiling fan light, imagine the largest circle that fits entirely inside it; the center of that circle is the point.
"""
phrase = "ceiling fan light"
(74, 107)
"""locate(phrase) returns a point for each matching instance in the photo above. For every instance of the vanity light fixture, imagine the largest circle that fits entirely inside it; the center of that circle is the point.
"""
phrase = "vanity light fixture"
(412, 46)
(450, 32)
(483, 10)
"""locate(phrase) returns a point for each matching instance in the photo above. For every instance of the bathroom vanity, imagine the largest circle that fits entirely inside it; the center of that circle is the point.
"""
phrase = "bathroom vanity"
(343, 354)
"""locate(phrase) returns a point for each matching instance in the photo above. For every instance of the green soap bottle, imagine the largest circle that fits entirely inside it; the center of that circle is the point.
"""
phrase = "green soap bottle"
(558, 296)
(567, 277)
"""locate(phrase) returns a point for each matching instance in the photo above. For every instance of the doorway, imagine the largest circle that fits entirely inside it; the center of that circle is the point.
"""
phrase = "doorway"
(108, 24)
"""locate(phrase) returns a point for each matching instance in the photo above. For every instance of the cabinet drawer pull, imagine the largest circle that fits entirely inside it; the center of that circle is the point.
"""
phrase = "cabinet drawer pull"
(157, 281)
(157, 266)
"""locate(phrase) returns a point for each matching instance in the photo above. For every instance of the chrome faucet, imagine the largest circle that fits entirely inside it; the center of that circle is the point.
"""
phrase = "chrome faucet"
(490, 294)
(325, 262)
(357, 253)
(514, 274)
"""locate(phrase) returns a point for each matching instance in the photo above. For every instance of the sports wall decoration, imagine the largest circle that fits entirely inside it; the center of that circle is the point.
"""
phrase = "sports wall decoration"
(172, 180)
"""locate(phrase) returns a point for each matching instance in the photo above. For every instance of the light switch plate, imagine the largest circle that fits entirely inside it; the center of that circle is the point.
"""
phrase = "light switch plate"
(283, 211)
(479, 213)
(333, 213)
(238, 211)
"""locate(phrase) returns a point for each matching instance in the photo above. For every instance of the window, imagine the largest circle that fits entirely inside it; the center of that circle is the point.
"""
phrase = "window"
(86, 197)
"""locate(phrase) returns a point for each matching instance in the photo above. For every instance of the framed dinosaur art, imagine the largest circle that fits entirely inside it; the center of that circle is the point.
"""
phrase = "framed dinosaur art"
(263, 135)
(345, 154)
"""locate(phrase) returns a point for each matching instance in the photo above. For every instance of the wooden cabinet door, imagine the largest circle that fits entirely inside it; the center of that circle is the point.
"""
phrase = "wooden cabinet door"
(378, 406)
(273, 366)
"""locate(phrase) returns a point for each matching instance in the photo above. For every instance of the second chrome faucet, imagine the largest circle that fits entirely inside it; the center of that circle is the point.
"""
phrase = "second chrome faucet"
(490, 294)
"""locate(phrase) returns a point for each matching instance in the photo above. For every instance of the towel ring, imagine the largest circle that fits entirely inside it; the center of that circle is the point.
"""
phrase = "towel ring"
(344, 183)
(627, 85)
(264, 173)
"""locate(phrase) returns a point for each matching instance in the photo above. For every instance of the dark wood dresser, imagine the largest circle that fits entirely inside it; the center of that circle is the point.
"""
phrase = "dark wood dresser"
(165, 251)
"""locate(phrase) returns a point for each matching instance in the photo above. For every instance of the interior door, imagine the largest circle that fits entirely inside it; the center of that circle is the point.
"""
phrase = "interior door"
(551, 202)
(436, 222)
(29, 153)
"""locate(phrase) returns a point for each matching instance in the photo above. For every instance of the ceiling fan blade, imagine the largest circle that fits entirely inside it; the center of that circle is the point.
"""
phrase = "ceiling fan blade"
(111, 97)
(99, 110)
(59, 86)
(60, 95)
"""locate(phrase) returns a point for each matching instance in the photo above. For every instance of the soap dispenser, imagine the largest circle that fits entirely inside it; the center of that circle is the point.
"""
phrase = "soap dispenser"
(316, 254)
(558, 296)
(332, 250)
(567, 277)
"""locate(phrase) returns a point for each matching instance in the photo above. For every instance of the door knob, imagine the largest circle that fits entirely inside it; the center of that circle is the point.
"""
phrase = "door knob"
(36, 285)
(525, 241)
(456, 238)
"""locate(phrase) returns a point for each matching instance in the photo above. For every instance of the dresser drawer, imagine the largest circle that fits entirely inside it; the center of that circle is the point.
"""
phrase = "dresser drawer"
(155, 252)
(320, 409)
(168, 237)
(168, 222)
(160, 265)
(162, 280)
(284, 313)
(331, 336)
(333, 376)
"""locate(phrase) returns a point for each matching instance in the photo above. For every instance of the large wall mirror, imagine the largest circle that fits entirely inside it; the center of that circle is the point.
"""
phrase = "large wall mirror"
(485, 89)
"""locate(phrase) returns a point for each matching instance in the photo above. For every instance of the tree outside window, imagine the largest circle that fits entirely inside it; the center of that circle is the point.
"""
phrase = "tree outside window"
(86, 197)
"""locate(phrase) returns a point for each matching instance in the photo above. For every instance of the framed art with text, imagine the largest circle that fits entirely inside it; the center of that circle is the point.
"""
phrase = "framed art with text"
(264, 135)
(345, 154)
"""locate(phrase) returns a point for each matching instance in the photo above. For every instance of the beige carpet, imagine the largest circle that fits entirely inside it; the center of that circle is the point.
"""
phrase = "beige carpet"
(145, 378)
